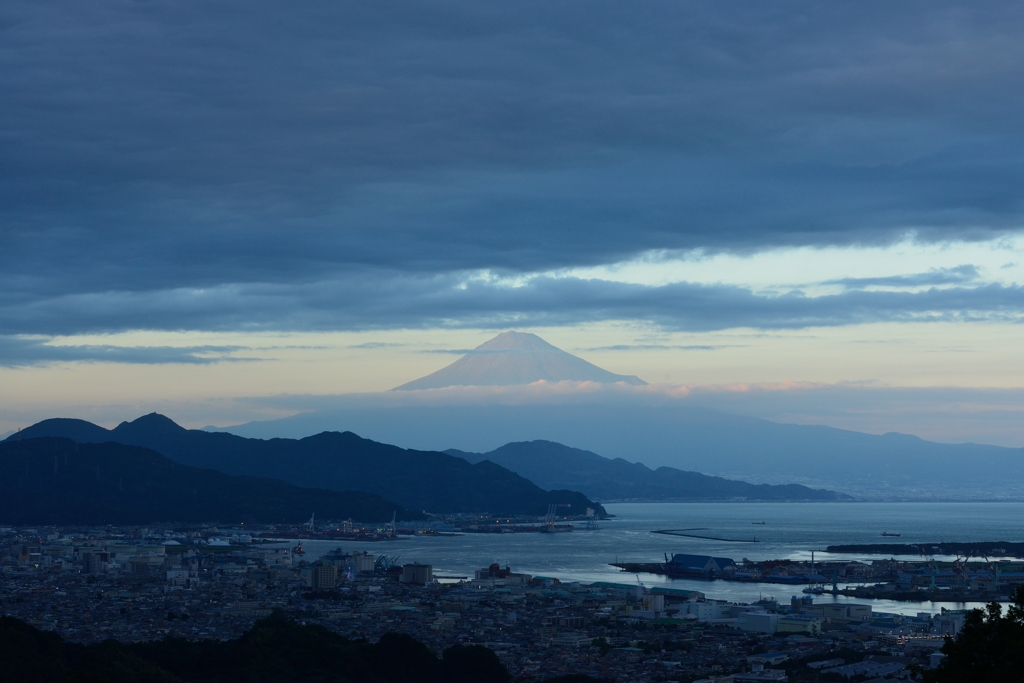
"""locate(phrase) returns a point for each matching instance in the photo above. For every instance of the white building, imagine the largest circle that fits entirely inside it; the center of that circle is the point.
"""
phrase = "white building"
(759, 622)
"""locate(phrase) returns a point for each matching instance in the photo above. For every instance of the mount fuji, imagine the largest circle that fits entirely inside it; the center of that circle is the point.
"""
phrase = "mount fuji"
(514, 358)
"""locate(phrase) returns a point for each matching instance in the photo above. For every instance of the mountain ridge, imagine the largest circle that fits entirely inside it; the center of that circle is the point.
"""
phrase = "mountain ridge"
(661, 432)
(55, 480)
(419, 480)
(551, 464)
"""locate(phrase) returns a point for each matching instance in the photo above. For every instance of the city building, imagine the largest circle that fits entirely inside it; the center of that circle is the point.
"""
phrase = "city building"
(416, 573)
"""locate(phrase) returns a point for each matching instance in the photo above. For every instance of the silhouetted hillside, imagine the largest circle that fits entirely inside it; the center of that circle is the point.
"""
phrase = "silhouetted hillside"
(59, 481)
(550, 464)
(420, 480)
(276, 649)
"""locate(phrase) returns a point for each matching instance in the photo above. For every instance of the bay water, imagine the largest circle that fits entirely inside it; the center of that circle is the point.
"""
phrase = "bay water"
(790, 531)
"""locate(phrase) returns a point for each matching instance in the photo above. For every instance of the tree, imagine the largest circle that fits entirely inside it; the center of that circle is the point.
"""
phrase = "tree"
(472, 664)
(990, 647)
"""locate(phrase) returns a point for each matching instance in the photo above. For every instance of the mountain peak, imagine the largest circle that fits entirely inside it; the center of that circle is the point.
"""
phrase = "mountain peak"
(514, 358)
(153, 423)
(68, 428)
(516, 341)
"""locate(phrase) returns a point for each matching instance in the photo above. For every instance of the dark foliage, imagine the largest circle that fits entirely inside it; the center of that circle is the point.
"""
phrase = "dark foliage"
(470, 664)
(990, 647)
(419, 480)
(275, 650)
(58, 481)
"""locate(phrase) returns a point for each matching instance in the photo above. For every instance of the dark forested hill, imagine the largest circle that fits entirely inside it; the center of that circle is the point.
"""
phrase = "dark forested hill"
(275, 649)
(420, 480)
(552, 465)
(59, 481)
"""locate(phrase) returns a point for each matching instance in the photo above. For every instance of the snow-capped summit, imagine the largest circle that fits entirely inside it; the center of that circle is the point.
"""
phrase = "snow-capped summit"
(517, 358)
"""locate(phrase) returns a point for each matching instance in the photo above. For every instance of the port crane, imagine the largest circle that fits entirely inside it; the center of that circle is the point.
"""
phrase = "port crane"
(549, 518)
(994, 566)
(931, 564)
(384, 563)
(960, 568)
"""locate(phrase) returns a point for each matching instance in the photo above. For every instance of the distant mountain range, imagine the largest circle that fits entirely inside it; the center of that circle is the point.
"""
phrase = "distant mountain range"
(517, 358)
(659, 431)
(420, 480)
(552, 465)
(59, 481)
(486, 402)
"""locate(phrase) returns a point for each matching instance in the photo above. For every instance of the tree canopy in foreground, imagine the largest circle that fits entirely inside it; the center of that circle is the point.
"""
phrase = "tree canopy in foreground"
(275, 650)
(990, 647)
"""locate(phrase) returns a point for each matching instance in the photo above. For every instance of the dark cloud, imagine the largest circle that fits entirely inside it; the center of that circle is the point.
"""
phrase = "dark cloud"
(365, 303)
(184, 152)
(20, 352)
(937, 276)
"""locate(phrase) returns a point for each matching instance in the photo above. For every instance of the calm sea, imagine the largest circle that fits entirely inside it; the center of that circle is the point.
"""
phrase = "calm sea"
(790, 531)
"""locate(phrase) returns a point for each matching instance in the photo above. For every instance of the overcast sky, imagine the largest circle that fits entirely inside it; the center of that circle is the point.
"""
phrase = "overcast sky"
(206, 201)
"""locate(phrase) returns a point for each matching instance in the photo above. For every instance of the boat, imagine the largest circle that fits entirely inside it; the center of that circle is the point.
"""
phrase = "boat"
(298, 549)
(886, 533)
(761, 523)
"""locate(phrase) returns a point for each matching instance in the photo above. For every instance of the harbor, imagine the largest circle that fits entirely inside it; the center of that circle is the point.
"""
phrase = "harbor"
(898, 580)
(833, 551)
(792, 533)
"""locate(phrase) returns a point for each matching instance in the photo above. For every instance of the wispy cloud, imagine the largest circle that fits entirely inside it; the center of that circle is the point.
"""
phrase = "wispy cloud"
(21, 352)
(660, 347)
(391, 302)
(463, 352)
(940, 276)
(378, 345)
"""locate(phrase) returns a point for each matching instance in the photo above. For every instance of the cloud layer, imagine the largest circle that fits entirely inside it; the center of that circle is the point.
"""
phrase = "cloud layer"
(225, 165)
(21, 352)
(406, 301)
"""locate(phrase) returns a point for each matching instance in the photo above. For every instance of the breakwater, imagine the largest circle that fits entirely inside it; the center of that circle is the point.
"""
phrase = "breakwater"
(991, 549)
(739, 577)
(679, 532)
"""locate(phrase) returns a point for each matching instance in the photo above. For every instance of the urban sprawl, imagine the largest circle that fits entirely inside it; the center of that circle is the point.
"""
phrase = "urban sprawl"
(134, 584)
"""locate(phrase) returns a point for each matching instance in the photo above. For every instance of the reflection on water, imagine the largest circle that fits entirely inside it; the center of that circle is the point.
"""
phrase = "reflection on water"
(791, 531)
